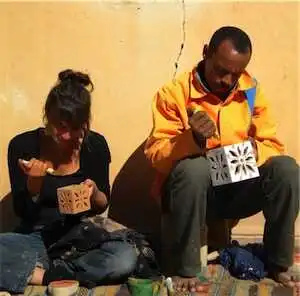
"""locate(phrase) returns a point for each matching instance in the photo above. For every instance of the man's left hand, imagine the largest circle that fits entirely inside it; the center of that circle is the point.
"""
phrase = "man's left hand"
(254, 146)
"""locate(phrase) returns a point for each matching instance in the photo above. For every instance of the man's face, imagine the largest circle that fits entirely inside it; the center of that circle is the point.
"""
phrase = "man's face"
(224, 67)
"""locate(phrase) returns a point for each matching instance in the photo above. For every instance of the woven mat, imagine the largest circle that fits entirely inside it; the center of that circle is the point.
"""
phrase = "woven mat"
(222, 285)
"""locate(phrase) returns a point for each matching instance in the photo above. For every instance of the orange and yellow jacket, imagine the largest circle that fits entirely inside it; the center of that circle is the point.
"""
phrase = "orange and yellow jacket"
(171, 138)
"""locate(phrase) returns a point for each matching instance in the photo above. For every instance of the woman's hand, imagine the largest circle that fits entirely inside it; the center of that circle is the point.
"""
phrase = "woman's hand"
(92, 187)
(33, 167)
(35, 170)
(97, 197)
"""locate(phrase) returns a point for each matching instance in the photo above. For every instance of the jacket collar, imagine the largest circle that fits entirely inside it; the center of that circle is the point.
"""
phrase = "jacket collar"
(198, 89)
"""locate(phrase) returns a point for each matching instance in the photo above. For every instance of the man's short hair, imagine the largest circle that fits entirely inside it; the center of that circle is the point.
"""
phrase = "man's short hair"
(238, 37)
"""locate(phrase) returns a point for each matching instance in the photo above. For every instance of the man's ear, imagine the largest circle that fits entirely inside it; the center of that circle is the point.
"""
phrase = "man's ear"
(205, 52)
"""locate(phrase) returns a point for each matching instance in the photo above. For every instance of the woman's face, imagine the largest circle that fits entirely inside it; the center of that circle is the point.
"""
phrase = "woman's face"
(65, 136)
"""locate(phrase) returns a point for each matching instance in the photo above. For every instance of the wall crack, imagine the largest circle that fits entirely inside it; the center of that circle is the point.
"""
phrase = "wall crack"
(182, 45)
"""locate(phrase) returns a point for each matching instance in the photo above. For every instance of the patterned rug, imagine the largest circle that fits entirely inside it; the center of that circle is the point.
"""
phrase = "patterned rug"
(222, 285)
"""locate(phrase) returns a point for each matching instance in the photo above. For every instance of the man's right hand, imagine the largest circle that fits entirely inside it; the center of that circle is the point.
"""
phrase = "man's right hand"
(202, 126)
(35, 170)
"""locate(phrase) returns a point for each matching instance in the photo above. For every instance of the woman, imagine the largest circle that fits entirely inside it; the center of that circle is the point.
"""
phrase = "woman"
(65, 152)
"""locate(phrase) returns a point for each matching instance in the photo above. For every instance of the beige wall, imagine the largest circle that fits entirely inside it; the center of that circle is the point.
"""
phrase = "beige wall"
(129, 50)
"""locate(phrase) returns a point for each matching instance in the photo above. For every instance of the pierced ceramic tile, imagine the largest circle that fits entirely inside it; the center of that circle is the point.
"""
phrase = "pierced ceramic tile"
(73, 199)
(232, 163)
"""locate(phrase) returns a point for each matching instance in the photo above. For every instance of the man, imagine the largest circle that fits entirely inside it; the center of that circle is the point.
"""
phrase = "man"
(204, 109)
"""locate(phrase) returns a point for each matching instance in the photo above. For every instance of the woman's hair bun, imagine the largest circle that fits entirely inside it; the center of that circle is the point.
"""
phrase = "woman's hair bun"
(75, 77)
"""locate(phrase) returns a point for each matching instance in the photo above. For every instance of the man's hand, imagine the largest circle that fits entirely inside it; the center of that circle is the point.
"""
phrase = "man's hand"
(254, 146)
(35, 170)
(202, 125)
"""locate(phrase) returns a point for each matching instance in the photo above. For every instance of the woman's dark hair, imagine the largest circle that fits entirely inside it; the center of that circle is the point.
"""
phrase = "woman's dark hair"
(70, 99)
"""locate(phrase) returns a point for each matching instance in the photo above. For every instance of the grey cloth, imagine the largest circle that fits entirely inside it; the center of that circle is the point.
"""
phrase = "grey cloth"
(190, 200)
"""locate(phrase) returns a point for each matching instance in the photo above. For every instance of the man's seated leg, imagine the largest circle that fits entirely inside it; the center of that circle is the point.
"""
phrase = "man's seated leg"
(276, 193)
(185, 199)
(280, 184)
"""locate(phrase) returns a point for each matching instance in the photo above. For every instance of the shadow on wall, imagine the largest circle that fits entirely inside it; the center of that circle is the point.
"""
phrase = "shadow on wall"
(131, 203)
(8, 219)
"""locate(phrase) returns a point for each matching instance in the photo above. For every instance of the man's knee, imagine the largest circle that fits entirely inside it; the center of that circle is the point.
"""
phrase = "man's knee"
(283, 174)
(284, 169)
(188, 181)
(193, 170)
